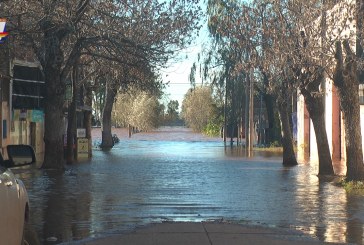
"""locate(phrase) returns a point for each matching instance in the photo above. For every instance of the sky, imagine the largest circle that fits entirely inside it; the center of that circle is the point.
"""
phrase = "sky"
(177, 73)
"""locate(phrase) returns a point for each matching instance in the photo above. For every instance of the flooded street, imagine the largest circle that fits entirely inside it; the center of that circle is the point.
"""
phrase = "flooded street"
(176, 175)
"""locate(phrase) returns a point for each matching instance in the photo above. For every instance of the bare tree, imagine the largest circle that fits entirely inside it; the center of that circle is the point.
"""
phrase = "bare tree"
(324, 24)
(346, 80)
(249, 28)
(60, 32)
(309, 74)
(348, 74)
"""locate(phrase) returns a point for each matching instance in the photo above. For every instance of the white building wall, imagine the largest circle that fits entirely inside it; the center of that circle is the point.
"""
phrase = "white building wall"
(328, 110)
(300, 128)
(362, 126)
(313, 145)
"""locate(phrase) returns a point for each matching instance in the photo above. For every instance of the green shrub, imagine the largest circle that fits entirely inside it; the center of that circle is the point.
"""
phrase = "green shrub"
(275, 144)
(353, 186)
(212, 129)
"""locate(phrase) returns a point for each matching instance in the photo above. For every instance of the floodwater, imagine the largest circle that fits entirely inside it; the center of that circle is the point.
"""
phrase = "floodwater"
(176, 175)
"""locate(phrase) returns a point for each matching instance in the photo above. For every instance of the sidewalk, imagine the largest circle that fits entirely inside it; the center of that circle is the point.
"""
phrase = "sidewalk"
(206, 233)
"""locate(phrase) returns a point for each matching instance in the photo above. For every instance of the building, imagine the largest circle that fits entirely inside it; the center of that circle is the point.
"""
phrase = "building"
(22, 100)
(27, 89)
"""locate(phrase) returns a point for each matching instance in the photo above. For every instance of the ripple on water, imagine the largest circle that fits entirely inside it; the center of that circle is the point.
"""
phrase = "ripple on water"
(149, 179)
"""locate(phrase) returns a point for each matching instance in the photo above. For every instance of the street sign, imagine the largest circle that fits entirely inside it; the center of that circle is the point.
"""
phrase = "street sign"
(81, 133)
(82, 148)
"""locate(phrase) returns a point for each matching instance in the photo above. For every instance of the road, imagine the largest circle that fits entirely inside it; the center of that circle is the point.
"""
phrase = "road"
(176, 175)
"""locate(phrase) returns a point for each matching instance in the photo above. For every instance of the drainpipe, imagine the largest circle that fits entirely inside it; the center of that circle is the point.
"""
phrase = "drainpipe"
(10, 111)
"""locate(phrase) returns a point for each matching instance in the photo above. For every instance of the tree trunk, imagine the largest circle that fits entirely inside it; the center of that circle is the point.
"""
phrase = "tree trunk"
(54, 100)
(269, 105)
(314, 101)
(72, 119)
(346, 81)
(71, 132)
(107, 141)
(315, 107)
(289, 157)
(354, 154)
(87, 118)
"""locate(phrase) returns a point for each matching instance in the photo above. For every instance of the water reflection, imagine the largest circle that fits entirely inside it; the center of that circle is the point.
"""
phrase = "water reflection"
(258, 153)
(142, 181)
(315, 196)
(64, 205)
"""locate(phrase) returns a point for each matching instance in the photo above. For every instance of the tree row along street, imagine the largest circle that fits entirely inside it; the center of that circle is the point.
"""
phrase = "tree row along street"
(258, 50)
(262, 49)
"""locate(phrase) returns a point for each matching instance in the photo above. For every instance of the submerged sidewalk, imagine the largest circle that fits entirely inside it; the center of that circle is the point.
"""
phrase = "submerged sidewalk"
(205, 233)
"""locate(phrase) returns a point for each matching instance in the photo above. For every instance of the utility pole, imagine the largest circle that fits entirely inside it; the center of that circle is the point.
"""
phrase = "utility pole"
(247, 100)
(260, 138)
(251, 112)
(225, 112)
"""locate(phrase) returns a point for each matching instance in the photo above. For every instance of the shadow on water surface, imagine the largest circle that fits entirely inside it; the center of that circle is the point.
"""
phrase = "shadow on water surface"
(142, 181)
(241, 152)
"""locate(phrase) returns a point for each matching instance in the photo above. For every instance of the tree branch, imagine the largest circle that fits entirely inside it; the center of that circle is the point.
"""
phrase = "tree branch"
(338, 73)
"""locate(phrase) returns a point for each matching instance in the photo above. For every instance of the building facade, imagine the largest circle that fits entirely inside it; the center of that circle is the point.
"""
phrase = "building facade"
(22, 100)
